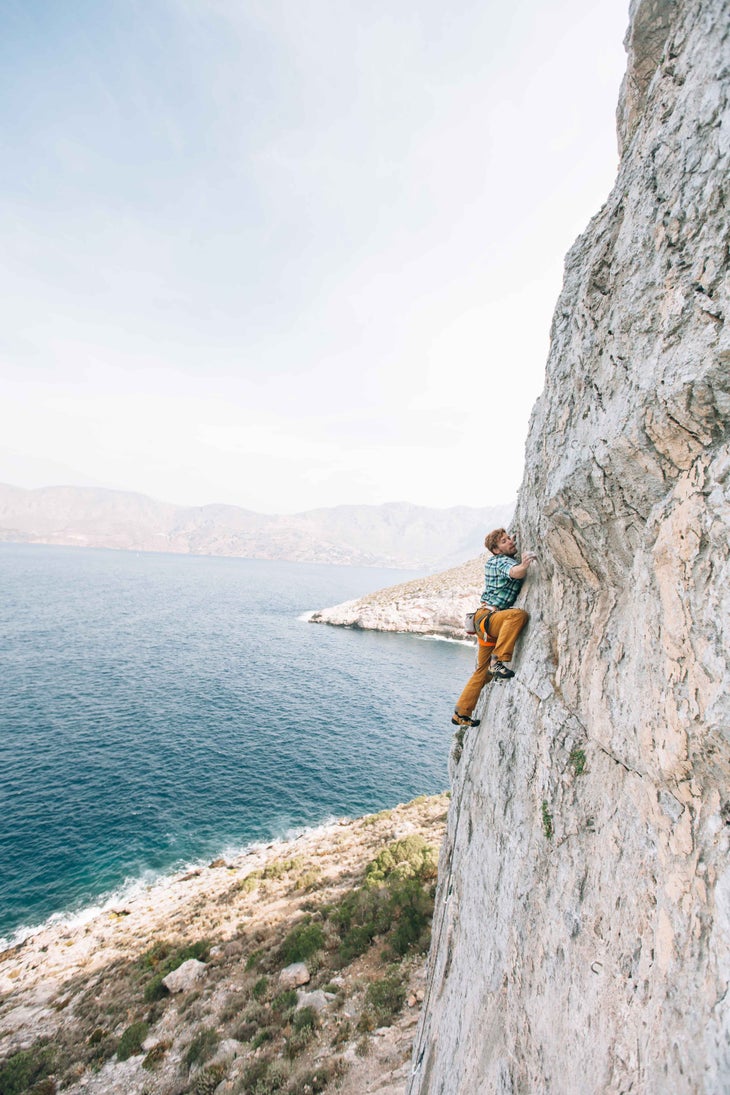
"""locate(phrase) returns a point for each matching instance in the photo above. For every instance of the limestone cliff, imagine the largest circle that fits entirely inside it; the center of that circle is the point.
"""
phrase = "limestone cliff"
(582, 938)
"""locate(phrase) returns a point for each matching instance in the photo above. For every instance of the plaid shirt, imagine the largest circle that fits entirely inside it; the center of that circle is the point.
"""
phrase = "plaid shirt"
(500, 591)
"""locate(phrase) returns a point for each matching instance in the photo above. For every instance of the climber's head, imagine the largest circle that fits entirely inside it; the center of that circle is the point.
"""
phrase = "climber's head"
(499, 542)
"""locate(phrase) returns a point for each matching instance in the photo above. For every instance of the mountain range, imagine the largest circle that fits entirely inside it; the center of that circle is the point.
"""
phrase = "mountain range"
(396, 534)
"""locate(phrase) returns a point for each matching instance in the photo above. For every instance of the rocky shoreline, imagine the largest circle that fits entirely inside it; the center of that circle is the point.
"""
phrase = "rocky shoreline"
(261, 972)
(434, 605)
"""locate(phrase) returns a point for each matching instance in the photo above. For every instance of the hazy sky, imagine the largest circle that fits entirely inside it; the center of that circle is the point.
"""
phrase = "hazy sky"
(291, 253)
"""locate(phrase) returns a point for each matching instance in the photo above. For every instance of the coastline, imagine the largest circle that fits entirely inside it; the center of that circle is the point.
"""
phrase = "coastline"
(132, 889)
(239, 904)
(163, 895)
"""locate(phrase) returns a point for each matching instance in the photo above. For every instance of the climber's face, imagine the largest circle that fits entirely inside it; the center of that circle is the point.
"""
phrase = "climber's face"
(506, 546)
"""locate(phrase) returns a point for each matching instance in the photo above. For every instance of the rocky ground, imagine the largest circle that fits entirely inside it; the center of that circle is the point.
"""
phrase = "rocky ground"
(297, 969)
(434, 605)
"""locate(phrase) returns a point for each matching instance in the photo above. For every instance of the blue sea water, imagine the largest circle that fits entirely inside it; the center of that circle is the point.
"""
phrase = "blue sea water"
(157, 710)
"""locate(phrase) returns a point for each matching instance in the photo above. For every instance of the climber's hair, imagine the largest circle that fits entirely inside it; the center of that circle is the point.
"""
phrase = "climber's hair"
(492, 539)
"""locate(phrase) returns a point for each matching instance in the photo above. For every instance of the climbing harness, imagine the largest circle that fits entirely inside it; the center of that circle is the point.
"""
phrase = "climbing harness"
(482, 634)
(476, 624)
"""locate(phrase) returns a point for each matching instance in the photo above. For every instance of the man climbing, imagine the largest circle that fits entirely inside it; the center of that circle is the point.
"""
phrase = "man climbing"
(496, 622)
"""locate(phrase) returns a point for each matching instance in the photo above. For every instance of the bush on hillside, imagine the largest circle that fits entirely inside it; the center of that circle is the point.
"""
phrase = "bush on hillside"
(202, 1047)
(411, 857)
(301, 942)
(383, 1001)
(130, 1044)
(24, 1069)
(395, 902)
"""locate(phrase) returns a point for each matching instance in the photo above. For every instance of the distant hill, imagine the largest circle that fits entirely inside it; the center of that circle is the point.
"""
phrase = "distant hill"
(396, 534)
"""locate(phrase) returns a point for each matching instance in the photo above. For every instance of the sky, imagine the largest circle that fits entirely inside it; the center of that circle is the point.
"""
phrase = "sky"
(285, 254)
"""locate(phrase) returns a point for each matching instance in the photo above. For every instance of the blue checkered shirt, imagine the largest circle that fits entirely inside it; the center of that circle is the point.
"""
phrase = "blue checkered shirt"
(500, 591)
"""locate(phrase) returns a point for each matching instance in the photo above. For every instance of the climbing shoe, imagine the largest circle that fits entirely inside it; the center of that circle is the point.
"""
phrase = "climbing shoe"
(464, 720)
(499, 670)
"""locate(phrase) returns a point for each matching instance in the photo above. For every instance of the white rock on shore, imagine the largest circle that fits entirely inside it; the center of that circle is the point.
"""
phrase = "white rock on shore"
(434, 605)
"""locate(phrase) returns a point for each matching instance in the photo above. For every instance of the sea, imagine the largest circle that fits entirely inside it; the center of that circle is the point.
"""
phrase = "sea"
(158, 711)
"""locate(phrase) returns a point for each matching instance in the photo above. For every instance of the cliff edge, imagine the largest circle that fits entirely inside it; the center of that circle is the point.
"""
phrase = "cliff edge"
(582, 936)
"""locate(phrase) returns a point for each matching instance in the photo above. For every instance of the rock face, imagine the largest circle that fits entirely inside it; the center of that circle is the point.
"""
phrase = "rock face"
(435, 605)
(582, 942)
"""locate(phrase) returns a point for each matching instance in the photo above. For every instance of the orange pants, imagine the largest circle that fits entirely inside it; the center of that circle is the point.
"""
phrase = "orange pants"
(504, 626)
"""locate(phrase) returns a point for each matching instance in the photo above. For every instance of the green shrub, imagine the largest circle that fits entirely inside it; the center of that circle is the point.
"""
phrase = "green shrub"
(410, 857)
(412, 911)
(314, 1081)
(384, 999)
(154, 989)
(265, 1034)
(264, 1077)
(26, 1068)
(250, 882)
(398, 908)
(171, 956)
(253, 959)
(260, 988)
(307, 880)
(305, 1018)
(301, 942)
(208, 1079)
(578, 760)
(304, 1029)
(202, 1047)
(130, 1044)
(284, 1001)
(101, 1046)
(356, 941)
(362, 914)
(298, 1040)
(280, 867)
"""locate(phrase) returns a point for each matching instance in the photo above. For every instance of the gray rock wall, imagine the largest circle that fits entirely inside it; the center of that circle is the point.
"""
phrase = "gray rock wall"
(582, 935)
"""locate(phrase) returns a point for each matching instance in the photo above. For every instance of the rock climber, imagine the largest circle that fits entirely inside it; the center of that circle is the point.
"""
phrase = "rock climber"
(496, 622)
